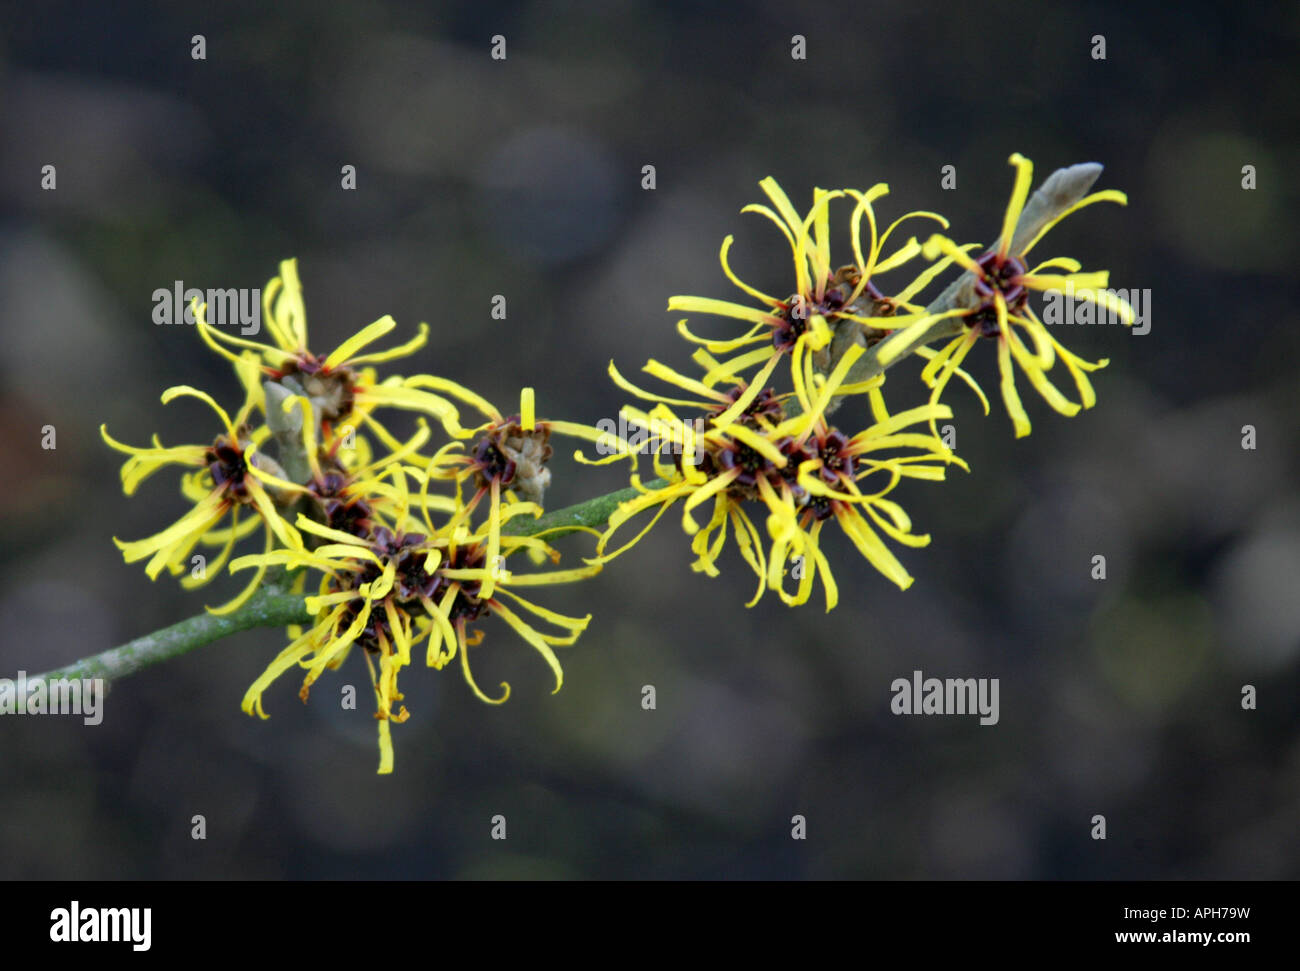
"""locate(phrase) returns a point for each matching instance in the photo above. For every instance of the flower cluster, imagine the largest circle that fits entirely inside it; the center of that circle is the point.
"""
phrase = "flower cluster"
(743, 446)
(411, 541)
(411, 549)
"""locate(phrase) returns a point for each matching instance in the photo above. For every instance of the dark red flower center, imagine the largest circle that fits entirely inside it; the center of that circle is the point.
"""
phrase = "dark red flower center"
(750, 463)
(998, 274)
(794, 314)
(836, 459)
(491, 464)
(411, 582)
(228, 468)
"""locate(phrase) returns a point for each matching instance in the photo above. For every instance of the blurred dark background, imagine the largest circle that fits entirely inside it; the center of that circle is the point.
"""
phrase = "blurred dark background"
(522, 177)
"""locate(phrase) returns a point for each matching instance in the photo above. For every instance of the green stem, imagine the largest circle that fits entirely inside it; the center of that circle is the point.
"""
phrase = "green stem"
(590, 514)
(268, 607)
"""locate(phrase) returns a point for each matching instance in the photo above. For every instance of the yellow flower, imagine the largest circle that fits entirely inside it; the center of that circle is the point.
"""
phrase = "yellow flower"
(509, 455)
(1000, 286)
(355, 604)
(825, 300)
(799, 469)
(332, 381)
(457, 598)
(387, 591)
(843, 477)
(228, 477)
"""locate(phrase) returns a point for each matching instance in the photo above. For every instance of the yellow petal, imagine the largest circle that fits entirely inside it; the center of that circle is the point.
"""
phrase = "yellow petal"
(722, 308)
(367, 335)
(1019, 193)
(527, 416)
(401, 350)
(937, 244)
(1106, 195)
(185, 390)
(739, 283)
(1010, 397)
(532, 637)
(469, 678)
